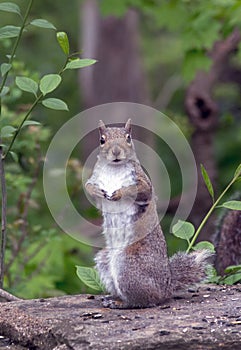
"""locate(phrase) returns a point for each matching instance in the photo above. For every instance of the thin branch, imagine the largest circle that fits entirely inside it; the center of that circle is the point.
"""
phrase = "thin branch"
(21, 124)
(2, 172)
(4, 216)
(7, 296)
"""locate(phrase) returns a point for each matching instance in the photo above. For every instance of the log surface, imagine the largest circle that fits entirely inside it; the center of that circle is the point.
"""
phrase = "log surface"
(207, 318)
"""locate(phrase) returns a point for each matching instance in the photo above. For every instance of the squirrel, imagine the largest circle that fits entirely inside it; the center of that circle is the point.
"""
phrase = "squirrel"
(134, 267)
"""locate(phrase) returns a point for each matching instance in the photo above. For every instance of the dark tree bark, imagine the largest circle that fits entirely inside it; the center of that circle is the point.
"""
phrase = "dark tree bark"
(118, 75)
(114, 42)
(228, 241)
(202, 111)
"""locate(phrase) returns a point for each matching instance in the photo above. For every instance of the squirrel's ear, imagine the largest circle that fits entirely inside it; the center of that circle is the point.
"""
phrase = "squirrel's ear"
(128, 126)
(101, 126)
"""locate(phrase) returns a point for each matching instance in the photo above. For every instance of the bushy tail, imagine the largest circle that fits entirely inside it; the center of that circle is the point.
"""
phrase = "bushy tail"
(188, 269)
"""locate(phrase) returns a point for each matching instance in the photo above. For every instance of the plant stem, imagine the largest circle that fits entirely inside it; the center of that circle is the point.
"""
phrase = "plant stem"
(21, 124)
(28, 114)
(64, 65)
(4, 216)
(210, 212)
(17, 42)
(2, 169)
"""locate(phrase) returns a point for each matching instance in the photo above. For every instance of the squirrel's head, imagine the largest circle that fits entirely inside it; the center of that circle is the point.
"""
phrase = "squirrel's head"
(116, 144)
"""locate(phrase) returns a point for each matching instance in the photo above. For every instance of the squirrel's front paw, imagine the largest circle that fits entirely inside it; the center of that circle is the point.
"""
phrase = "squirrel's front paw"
(116, 195)
(95, 191)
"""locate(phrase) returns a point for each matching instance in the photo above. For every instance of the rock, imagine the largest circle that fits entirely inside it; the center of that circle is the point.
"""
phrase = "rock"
(80, 322)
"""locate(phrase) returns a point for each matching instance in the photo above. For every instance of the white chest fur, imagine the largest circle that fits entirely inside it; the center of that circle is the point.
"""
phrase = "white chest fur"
(117, 215)
(114, 177)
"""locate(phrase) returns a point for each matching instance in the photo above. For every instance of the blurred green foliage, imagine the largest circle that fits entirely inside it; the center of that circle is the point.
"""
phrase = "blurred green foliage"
(40, 259)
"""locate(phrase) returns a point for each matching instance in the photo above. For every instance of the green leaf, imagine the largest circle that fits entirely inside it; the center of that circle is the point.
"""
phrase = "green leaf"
(183, 229)
(27, 84)
(201, 32)
(90, 277)
(5, 67)
(212, 276)
(49, 83)
(55, 103)
(232, 279)
(9, 32)
(234, 205)
(80, 63)
(205, 245)
(4, 92)
(7, 131)
(14, 156)
(10, 7)
(30, 122)
(238, 171)
(42, 23)
(207, 181)
(63, 42)
(232, 269)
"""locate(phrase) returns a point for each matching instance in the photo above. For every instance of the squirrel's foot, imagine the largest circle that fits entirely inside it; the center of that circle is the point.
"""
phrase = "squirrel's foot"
(113, 304)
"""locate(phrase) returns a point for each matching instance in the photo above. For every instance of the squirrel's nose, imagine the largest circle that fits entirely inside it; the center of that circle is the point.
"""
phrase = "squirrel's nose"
(116, 151)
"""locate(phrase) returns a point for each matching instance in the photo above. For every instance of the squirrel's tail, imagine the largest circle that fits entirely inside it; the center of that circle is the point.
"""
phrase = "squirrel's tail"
(188, 269)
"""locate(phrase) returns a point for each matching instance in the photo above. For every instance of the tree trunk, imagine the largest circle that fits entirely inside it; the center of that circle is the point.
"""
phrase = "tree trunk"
(114, 42)
(202, 111)
(228, 240)
(118, 75)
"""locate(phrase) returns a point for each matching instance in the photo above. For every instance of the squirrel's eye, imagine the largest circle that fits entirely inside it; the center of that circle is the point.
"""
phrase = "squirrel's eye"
(128, 139)
(102, 140)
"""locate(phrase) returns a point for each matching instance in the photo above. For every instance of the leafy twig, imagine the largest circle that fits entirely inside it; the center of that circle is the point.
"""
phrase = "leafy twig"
(17, 42)
(21, 124)
(215, 204)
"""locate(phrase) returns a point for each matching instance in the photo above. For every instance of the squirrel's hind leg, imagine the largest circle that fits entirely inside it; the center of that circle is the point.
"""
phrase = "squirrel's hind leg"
(103, 268)
(143, 292)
